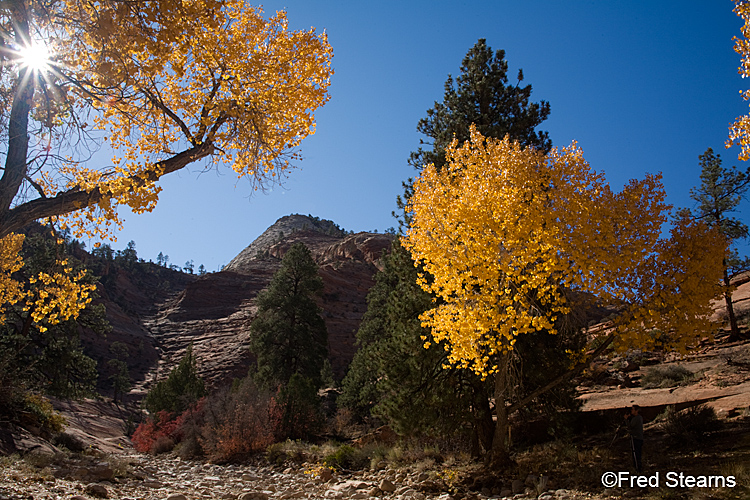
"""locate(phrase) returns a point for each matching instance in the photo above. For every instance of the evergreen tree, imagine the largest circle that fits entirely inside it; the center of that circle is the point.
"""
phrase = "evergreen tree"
(301, 416)
(719, 195)
(395, 378)
(288, 335)
(481, 95)
(120, 377)
(181, 388)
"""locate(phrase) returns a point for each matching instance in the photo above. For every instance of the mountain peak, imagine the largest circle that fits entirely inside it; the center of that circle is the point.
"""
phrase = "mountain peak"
(280, 229)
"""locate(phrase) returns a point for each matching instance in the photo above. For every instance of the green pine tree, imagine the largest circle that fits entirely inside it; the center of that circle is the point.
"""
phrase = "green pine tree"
(395, 378)
(120, 378)
(289, 335)
(719, 195)
(481, 95)
(179, 390)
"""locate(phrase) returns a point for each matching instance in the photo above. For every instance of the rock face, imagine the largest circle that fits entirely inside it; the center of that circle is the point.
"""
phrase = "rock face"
(214, 312)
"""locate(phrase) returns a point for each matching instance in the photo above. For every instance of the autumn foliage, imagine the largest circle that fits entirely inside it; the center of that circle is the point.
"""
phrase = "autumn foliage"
(164, 84)
(739, 131)
(503, 232)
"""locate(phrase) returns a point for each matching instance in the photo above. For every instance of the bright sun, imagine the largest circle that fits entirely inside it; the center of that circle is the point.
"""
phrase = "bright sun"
(35, 56)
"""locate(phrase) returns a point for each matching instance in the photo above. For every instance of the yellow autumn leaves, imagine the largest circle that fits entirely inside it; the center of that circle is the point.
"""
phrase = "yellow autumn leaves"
(506, 234)
(50, 297)
(166, 84)
(739, 131)
(207, 79)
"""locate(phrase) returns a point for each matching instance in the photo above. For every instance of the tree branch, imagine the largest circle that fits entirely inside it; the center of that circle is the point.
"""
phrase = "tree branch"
(563, 377)
(156, 101)
(76, 199)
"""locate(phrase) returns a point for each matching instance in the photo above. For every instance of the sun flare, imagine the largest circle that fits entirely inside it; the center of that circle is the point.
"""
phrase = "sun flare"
(35, 56)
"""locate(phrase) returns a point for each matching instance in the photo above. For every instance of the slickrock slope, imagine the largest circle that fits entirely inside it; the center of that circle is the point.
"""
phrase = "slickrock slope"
(215, 311)
(130, 297)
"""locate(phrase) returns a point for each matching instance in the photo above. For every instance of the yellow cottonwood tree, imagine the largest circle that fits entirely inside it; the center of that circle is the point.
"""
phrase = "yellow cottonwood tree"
(739, 132)
(509, 234)
(165, 84)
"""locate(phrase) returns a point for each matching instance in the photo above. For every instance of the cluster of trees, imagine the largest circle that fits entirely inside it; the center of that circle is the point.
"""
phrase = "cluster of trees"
(189, 267)
(507, 244)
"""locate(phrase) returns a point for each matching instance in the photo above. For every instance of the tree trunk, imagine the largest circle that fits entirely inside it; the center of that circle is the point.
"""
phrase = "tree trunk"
(500, 455)
(735, 329)
(483, 427)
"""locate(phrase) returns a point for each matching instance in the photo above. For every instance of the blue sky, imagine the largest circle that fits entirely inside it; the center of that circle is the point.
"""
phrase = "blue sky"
(643, 86)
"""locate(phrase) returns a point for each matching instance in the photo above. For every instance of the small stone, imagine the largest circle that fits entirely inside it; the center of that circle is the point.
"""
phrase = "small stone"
(506, 493)
(97, 490)
(176, 496)
(253, 495)
(249, 477)
(387, 486)
(517, 486)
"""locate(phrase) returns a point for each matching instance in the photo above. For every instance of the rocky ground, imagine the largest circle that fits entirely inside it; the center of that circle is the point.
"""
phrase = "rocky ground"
(144, 477)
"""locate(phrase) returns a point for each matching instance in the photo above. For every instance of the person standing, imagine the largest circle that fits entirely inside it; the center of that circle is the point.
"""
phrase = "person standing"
(635, 427)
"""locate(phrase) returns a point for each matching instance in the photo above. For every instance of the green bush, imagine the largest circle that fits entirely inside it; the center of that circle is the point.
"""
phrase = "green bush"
(43, 414)
(669, 376)
(690, 425)
(347, 457)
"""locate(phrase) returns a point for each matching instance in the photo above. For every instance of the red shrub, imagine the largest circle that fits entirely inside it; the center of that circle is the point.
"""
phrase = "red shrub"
(153, 435)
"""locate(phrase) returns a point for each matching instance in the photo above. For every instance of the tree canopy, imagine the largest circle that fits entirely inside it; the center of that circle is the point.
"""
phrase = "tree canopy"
(504, 231)
(739, 131)
(164, 84)
(481, 95)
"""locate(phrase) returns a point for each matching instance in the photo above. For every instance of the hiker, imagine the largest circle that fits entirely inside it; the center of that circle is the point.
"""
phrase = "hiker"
(635, 427)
